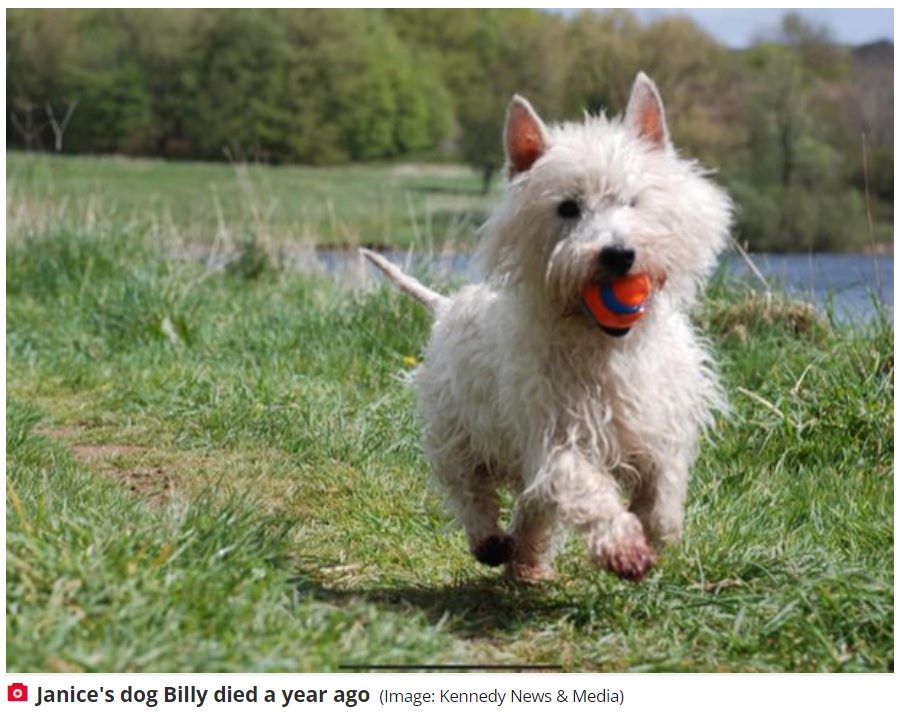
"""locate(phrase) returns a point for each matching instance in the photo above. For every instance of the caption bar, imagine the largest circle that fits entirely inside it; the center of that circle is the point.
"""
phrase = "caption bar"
(197, 696)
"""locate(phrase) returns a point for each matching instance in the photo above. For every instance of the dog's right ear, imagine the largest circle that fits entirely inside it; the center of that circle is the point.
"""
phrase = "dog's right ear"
(525, 136)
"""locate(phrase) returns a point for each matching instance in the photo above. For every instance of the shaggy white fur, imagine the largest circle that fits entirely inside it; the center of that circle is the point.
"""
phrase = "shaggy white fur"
(595, 429)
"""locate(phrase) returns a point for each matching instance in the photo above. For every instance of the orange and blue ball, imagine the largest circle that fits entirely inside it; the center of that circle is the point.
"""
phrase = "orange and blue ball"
(618, 304)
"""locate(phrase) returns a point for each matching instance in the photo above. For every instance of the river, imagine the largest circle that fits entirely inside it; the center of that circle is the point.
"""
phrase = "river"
(850, 286)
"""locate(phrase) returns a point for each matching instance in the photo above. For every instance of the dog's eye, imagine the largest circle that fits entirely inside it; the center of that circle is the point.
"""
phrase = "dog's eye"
(632, 203)
(569, 209)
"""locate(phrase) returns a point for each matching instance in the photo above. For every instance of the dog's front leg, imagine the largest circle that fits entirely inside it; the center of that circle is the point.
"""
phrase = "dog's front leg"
(588, 498)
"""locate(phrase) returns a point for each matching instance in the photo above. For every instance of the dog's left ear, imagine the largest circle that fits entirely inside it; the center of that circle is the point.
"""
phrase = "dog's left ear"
(524, 136)
(645, 113)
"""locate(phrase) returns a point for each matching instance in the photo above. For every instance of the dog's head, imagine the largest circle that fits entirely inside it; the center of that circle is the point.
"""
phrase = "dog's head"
(594, 201)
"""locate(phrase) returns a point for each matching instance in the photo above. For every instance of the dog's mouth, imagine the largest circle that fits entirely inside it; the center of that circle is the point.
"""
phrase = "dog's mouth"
(617, 333)
(616, 305)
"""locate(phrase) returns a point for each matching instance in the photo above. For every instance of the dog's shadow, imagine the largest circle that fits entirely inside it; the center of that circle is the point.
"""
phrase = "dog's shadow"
(476, 608)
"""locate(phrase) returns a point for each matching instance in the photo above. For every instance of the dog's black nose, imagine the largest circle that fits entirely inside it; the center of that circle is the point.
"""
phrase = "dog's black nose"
(617, 259)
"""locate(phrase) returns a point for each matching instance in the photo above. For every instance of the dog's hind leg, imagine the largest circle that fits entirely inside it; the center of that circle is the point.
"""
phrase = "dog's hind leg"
(533, 526)
(473, 498)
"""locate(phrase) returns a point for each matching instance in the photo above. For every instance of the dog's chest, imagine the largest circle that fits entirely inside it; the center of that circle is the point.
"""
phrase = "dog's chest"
(541, 399)
(614, 404)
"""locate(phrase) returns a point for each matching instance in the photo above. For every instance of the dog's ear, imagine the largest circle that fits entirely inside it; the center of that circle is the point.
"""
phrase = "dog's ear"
(525, 136)
(645, 113)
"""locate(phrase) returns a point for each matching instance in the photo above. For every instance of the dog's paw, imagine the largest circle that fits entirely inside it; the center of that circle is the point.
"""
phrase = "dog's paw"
(531, 573)
(624, 549)
(495, 550)
(632, 562)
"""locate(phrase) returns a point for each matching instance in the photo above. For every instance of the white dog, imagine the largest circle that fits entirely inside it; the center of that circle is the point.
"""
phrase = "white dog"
(592, 427)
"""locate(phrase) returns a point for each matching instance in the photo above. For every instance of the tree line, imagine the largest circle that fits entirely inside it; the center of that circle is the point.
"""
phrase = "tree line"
(801, 129)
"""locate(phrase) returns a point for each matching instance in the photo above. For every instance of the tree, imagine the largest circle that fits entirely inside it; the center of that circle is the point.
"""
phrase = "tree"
(236, 78)
(161, 45)
(485, 57)
(604, 52)
(795, 177)
(39, 51)
(694, 74)
(59, 125)
(318, 86)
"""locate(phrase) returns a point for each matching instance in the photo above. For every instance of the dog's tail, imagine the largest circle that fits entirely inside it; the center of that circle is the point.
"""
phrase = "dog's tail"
(411, 286)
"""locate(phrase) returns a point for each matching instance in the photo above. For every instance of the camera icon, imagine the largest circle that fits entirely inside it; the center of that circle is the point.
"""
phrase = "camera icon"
(17, 692)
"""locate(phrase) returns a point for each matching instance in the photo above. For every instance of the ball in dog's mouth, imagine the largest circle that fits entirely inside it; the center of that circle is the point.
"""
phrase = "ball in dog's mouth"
(616, 305)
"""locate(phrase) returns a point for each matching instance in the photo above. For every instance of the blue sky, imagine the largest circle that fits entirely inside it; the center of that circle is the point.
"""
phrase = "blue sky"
(739, 27)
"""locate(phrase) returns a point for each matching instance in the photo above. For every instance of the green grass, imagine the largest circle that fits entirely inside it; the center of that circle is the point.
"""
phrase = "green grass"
(221, 471)
(198, 203)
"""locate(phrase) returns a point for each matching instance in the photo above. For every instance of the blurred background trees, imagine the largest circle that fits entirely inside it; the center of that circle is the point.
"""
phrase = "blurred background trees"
(783, 121)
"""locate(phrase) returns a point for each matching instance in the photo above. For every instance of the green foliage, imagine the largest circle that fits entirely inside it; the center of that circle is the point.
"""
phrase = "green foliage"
(782, 120)
(486, 56)
(240, 60)
(772, 218)
(793, 189)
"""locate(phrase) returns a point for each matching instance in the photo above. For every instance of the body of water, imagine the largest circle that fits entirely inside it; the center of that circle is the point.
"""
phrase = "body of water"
(850, 286)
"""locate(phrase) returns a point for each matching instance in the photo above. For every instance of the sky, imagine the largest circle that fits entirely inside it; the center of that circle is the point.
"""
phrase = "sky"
(738, 28)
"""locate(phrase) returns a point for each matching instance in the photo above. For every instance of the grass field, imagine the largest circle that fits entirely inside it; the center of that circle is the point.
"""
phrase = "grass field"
(403, 205)
(217, 471)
